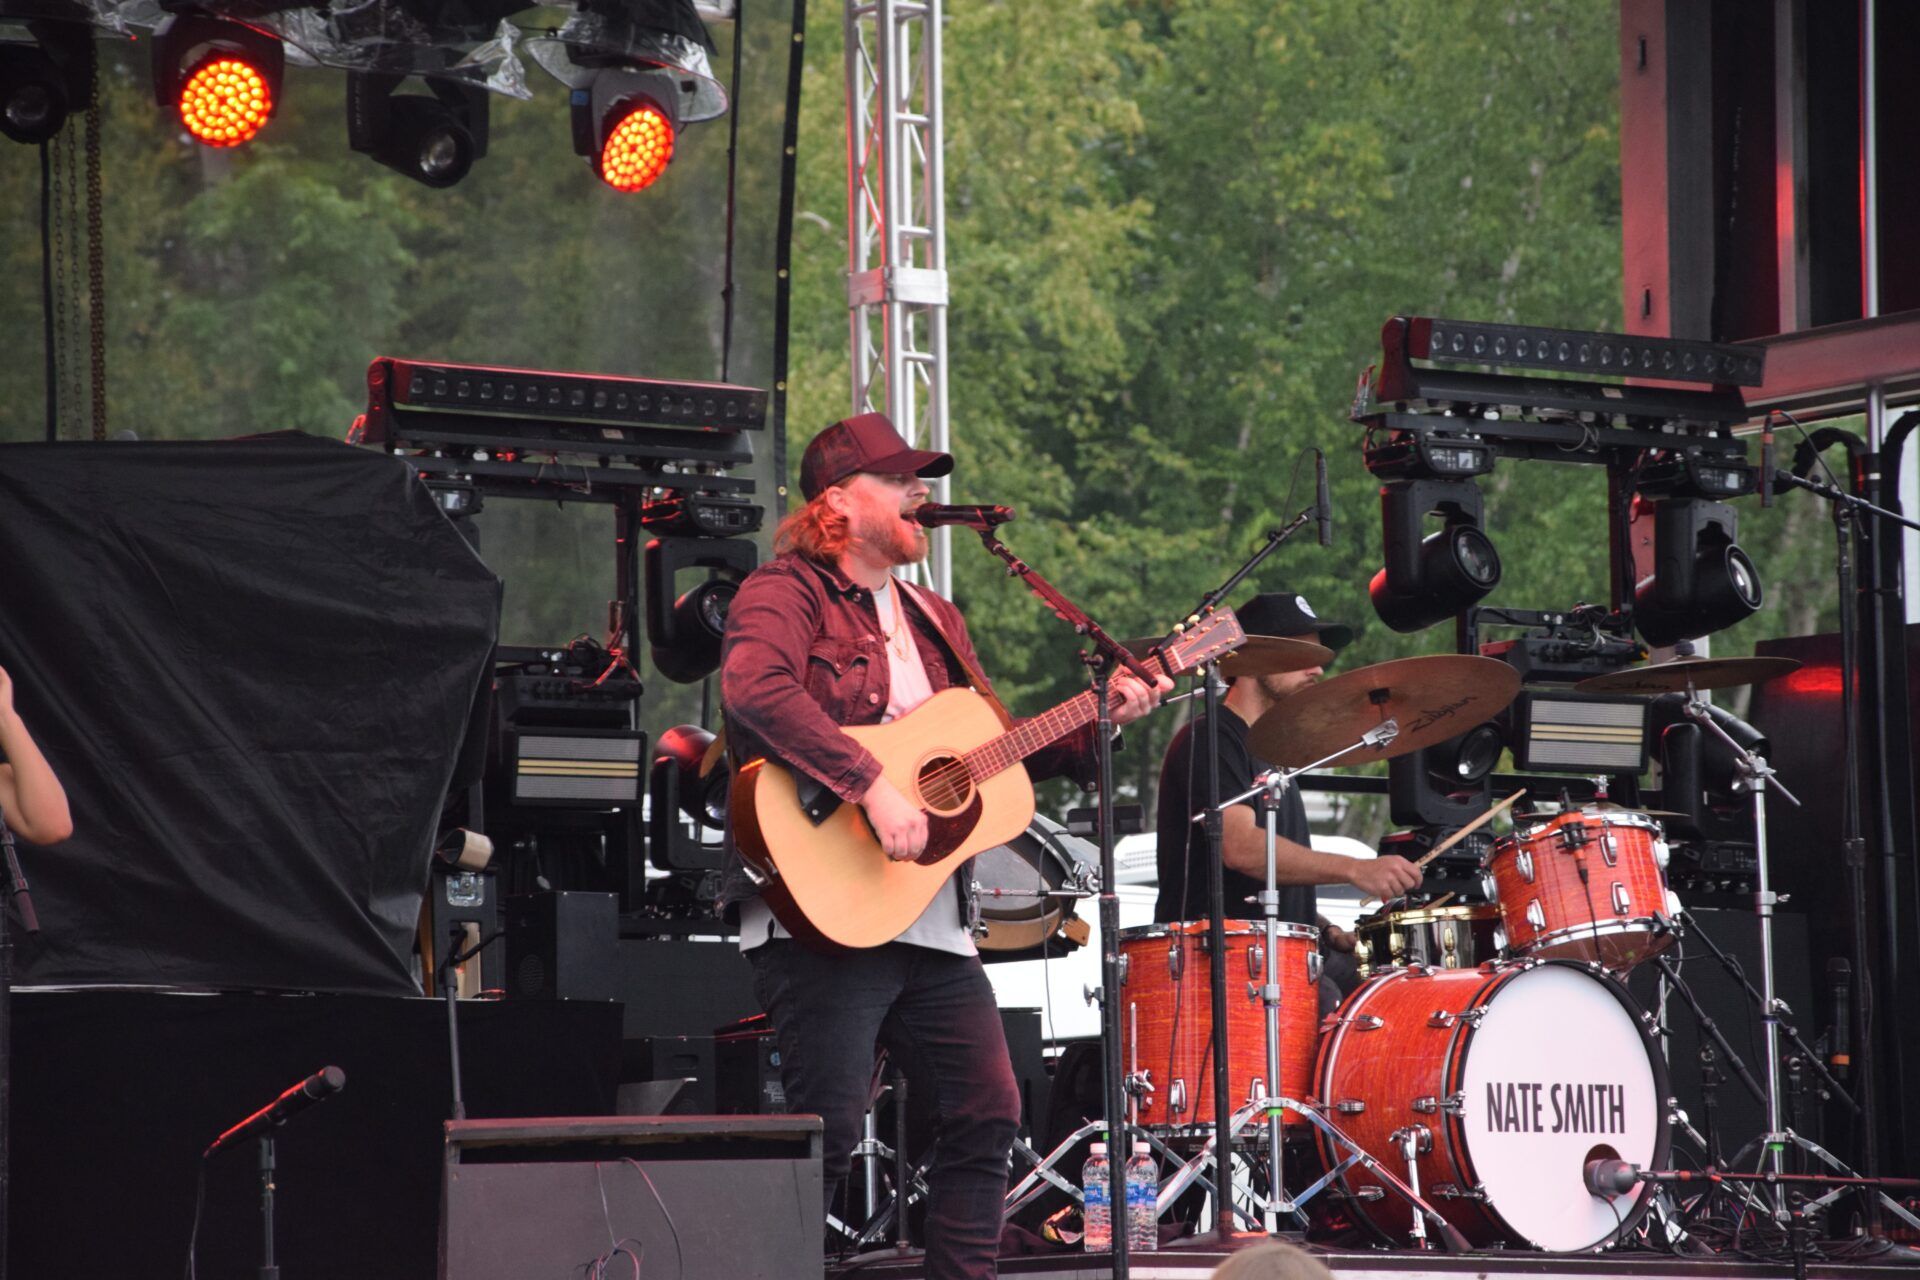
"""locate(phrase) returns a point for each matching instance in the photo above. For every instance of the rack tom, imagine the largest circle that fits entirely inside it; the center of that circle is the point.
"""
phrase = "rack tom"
(1586, 885)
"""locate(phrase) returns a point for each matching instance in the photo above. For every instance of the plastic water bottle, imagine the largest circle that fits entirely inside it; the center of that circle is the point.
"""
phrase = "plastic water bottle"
(1097, 1215)
(1143, 1191)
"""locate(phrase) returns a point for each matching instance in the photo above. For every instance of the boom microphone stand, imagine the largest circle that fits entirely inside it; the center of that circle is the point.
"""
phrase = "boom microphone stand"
(1212, 819)
(1846, 507)
(1107, 654)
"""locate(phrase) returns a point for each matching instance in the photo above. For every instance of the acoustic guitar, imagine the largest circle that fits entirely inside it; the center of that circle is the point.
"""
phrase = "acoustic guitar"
(826, 877)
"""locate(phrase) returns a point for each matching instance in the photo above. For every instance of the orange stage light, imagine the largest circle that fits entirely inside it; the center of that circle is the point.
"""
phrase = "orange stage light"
(637, 150)
(225, 102)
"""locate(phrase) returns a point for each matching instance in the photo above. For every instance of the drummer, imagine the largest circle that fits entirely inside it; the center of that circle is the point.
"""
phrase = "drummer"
(1183, 843)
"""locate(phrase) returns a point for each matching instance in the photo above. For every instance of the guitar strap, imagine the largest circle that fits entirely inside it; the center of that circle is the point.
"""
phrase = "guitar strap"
(974, 677)
(969, 902)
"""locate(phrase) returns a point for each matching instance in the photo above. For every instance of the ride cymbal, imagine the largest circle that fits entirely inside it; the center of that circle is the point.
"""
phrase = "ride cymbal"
(1433, 698)
(1677, 675)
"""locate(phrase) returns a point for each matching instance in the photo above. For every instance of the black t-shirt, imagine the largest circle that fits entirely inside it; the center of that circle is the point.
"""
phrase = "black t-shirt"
(1183, 843)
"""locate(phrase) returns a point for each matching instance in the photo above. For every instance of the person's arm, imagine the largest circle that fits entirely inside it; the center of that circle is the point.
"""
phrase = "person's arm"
(770, 628)
(771, 625)
(1244, 849)
(31, 798)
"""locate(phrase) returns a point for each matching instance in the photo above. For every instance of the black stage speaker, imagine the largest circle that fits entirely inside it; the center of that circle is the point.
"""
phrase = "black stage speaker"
(655, 1058)
(1738, 1116)
(682, 987)
(732, 1196)
(563, 946)
(746, 1060)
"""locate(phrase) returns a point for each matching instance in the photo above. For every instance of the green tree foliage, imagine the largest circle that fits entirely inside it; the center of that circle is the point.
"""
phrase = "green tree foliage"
(1175, 228)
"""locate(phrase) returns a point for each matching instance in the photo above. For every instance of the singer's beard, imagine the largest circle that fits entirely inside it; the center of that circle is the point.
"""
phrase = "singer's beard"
(894, 539)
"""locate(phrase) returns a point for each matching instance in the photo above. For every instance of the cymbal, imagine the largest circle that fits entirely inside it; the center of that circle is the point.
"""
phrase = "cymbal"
(1433, 698)
(1675, 676)
(1257, 656)
(1273, 655)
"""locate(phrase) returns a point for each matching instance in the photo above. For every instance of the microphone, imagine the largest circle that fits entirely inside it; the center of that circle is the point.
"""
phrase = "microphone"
(1766, 463)
(1610, 1177)
(1323, 503)
(318, 1087)
(932, 515)
(1840, 974)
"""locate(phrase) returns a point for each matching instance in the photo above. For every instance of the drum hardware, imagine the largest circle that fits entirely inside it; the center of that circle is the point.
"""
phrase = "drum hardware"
(1269, 787)
(1352, 1155)
(1760, 778)
(1414, 1141)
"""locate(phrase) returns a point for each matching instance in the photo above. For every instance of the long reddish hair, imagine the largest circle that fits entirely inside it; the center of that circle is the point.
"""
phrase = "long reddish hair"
(816, 531)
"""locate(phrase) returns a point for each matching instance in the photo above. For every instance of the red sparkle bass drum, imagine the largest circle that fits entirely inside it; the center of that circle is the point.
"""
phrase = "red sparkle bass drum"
(1510, 1079)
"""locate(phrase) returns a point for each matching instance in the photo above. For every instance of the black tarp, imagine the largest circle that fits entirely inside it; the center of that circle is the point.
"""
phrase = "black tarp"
(251, 665)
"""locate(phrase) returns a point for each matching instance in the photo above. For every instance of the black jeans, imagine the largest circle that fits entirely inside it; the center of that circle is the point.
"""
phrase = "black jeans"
(829, 1012)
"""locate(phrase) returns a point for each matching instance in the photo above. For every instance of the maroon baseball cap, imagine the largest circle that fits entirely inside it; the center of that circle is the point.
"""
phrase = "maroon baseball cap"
(865, 442)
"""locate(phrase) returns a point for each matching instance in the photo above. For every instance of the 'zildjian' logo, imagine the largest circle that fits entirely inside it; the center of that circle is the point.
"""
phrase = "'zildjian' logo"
(1435, 715)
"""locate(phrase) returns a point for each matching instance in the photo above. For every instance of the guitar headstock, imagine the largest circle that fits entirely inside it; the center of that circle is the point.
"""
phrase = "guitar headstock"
(1214, 636)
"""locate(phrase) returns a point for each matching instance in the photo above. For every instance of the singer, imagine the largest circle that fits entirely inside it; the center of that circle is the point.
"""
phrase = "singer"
(825, 636)
(32, 802)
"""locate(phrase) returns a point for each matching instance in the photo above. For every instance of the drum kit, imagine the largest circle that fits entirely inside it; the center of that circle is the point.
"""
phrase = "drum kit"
(1490, 1080)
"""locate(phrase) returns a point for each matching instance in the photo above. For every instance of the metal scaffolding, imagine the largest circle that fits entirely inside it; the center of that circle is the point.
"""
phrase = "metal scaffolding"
(896, 218)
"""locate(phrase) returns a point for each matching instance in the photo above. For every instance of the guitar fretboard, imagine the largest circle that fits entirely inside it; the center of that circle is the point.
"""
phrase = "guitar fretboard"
(1015, 745)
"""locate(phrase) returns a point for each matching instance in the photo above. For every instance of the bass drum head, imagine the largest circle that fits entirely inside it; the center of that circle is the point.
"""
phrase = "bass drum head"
(1559, 1073)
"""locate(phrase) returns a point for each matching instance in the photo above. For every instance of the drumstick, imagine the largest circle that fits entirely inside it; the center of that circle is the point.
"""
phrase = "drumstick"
(1464, 832)
(1470, 828)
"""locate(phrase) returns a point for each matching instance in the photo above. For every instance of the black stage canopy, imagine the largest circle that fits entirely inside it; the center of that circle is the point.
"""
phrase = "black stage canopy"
(252, 666)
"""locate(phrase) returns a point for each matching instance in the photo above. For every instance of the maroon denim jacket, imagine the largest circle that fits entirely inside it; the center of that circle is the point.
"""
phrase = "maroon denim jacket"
(804, 655)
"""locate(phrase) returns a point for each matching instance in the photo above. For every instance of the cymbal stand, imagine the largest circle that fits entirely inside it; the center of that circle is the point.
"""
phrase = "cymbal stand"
(1828, 1082)
(1773, 1143)
(1270, 786)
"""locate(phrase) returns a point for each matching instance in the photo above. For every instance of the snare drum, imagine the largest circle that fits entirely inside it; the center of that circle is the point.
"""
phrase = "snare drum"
(1619, 915)
(1449, 937)
(1168, 1008)
(1509, 1079)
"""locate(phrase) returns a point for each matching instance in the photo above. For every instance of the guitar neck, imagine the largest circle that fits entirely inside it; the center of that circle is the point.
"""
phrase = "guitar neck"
(1015, 745)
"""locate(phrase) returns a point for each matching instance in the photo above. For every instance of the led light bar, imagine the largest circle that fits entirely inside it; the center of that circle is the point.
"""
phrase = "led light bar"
(1580, 733)
(439, 406)
(1467, 342)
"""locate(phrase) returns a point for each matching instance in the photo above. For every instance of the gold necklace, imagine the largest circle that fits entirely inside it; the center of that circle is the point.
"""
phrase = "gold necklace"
(897, 629)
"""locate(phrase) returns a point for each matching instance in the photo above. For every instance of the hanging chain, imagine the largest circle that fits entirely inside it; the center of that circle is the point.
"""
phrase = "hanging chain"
(96, 252)
(57, 250)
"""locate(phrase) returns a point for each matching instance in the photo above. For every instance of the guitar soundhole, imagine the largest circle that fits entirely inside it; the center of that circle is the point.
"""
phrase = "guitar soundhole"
(944, 785)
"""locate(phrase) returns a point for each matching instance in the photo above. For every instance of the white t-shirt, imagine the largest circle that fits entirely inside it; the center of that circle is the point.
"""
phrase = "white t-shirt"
(939, 927)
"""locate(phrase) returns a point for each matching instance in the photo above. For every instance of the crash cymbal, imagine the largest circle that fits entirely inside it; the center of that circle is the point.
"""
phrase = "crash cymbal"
(1433, 699)
(1675, 676)
(1257, 656)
